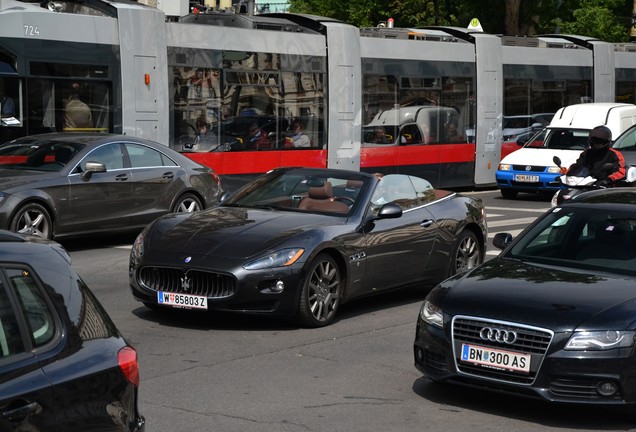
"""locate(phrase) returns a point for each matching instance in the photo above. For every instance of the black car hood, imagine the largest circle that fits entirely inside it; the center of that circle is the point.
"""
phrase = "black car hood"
(234, 232)
(560, 299)
(11, 178)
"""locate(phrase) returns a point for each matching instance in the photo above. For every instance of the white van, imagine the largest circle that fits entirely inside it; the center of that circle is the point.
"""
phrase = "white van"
(531, 168)
(411, 125)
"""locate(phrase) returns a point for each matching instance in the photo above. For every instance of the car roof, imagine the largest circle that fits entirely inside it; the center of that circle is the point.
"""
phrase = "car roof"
(85, 137)
(618, 198)
(13, 246)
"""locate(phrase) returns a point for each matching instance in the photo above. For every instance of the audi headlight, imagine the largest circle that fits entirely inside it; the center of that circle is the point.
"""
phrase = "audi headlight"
(431, 314)
(281, 258)
(504, 167)
(600, 340)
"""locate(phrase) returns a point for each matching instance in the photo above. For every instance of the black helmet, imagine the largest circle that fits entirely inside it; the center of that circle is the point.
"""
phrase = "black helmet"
(600, 137)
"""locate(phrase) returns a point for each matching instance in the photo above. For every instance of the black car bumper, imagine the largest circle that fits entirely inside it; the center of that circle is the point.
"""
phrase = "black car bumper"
(582, 377)
(239, 290)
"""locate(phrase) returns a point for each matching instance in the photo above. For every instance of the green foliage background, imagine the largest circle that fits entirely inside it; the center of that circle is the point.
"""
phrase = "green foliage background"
(608, 20)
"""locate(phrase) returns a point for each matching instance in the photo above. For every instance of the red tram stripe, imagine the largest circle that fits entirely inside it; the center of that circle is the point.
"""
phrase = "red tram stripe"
(249, 162)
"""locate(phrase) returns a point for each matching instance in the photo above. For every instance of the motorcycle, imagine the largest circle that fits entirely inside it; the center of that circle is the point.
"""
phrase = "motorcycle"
(575, 183)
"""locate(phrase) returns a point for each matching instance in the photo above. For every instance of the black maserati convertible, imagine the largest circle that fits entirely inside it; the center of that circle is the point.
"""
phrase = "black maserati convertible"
(553, 316)
(299, 242)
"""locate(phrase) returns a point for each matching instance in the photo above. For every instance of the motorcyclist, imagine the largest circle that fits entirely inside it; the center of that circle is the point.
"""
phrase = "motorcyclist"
(604, 163)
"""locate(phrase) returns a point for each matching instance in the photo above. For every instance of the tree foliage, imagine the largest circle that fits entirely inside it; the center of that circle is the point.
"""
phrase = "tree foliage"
(609, 20)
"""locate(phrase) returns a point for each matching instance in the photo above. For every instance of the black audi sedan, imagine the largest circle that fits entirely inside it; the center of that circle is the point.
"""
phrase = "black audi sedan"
(299, 242)
(553, 316)
(64, 366)
(69, 184)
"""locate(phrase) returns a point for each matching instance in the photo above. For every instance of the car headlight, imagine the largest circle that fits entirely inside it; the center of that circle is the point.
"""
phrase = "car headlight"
(554, 170)
(601, 340)
(137, 250)
(431, 314)
(281, 258)
(504, 167)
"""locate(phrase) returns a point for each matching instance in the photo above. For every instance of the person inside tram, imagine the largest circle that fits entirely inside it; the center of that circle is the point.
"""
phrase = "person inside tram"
(379, 136)
(299, 139)
(6, 103)
(205, 140)
(77, 115)
(257, 138)
(451, 133)
(604, 163)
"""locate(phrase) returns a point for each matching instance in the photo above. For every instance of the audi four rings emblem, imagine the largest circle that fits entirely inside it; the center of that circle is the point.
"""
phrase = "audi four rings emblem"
(498, 335)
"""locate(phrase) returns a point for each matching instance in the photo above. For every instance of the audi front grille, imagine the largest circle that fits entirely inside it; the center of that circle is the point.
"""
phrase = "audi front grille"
(529, 340)
(184, 281)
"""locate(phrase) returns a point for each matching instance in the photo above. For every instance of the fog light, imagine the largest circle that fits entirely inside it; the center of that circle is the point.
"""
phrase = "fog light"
(606, 388)
(279, 287)
(419, 354)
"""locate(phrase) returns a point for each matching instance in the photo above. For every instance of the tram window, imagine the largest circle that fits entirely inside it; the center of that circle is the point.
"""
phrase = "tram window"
(10, 101)
(249, 90)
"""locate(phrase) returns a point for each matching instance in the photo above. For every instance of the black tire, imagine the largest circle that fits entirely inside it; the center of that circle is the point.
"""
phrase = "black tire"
(509, 193)
(467, 253)
(187, 203)
(321, 292)
(32, 219)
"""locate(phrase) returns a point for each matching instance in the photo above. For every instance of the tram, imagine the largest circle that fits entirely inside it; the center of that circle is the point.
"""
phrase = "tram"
(234, 91)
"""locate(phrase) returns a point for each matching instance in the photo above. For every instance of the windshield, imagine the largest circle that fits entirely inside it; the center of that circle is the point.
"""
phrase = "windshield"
(560, 139)
(626, 141)
(336, 193)
(581, 238)
(28, 154)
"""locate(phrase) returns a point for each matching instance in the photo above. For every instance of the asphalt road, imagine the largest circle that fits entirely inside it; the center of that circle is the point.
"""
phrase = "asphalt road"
(226, 372)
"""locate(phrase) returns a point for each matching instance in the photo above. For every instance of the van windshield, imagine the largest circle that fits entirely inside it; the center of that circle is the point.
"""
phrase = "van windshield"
(386, 134)
(559, 139)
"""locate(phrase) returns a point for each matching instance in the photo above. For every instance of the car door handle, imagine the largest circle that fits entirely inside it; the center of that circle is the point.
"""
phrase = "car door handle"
(427, 223)
(22, 411)
(121, 177)
(168, 175)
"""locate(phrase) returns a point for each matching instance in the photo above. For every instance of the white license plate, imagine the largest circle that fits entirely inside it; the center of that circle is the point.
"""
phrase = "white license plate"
(187, 301)
(526, 178)
(495, 358)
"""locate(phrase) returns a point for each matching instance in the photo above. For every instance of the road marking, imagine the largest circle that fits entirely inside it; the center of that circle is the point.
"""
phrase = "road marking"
(507, 222)
(518, 209)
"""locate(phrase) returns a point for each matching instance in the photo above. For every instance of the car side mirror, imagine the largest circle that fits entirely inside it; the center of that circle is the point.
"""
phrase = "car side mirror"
(390, 211)
(502, 240)
(91, 168)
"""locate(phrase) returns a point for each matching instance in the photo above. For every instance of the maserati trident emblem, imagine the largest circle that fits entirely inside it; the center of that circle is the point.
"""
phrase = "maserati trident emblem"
(186, 282)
